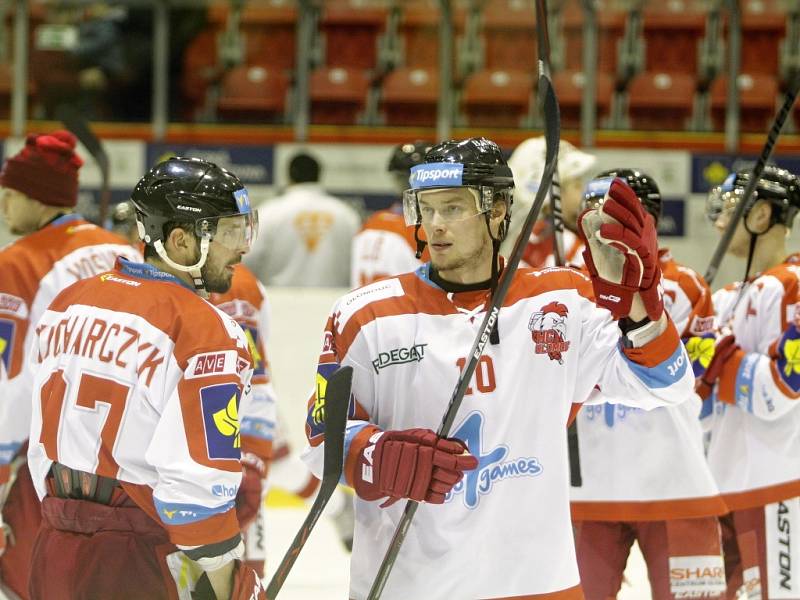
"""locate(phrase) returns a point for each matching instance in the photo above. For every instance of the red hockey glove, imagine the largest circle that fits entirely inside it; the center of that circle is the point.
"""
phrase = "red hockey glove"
(247, 584)
(248, 499)
(413, 463)
(723, 352)
(622, 252)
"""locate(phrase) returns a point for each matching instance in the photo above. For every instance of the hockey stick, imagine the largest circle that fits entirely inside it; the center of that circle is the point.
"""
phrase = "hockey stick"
(559, 257)
(552, 134)
(79, 127)
(758, 169)
(337, 402)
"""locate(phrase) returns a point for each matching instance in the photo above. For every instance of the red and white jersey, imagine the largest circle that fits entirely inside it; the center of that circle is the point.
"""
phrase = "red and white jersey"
(384, 247)
(539, 250)
(755, 434)
(246, 302)
(650, 465)
(33, 270)
(407, 339)
(139, 379)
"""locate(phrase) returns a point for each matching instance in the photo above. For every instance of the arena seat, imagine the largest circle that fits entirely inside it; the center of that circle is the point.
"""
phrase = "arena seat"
(672, 32)
(338, 95)
(497, 98)
(509, 29)
(611, 26)
(660, 100)
(570, 91)
(758, 96)
(409, 96)
(419, 31)
(763, 28)
(351, 32)
(253, 93)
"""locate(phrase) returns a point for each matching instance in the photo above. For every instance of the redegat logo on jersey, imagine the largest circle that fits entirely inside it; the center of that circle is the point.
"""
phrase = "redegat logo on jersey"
(220, 407)
(492, 468)
(436, 175)
(7, 329)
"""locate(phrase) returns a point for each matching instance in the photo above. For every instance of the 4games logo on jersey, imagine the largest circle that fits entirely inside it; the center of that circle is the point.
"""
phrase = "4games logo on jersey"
(492, 468)
(549, 331)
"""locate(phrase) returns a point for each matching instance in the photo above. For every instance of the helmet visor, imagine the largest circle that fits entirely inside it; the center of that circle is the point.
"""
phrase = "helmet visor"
(445, 205)
(235, 232)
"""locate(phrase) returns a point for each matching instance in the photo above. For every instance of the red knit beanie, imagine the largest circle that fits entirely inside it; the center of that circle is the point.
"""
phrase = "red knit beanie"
(46, 169)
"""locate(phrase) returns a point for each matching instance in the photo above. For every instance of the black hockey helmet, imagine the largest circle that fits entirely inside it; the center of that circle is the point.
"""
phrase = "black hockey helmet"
(640, 182)
(476, 163)
(196, 192)
(779, 187)
(405, 156)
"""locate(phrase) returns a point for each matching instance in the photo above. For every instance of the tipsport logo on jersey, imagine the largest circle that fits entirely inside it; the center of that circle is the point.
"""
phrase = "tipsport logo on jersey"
(493, 467)
(220, 407)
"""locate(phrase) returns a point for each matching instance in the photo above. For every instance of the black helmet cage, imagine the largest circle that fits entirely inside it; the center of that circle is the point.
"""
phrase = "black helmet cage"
(475, 163)
(779, 187)
(642, 184)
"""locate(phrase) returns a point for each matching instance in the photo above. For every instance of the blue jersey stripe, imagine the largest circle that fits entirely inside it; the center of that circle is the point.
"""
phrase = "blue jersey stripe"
(663, 374)
(174, 513)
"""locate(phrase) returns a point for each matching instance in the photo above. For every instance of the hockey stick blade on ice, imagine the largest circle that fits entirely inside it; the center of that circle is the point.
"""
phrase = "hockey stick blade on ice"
(552, 134)
(337, 403)
(79, 127)
(758, 169)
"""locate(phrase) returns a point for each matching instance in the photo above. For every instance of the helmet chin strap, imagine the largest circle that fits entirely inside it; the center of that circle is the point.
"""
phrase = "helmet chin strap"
(193, 270)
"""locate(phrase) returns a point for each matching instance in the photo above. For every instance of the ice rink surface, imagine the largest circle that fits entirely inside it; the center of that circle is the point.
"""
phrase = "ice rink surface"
(321, 571)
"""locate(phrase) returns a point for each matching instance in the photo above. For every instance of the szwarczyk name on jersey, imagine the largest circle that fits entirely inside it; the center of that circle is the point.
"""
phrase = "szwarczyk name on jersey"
(96, 338)
(399, 356)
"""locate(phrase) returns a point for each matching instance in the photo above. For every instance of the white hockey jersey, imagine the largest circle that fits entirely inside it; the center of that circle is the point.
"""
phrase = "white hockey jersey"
(755, 424)
(650, 465)
(139, 379)
(33, 270)
(505, 530)
(305, 239)
(246, 302)
(384, 247)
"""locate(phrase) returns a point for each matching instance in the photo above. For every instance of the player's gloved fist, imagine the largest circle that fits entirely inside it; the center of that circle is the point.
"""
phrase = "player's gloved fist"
(723, 352)
(413, 463)
(622, 252)
(248, 499)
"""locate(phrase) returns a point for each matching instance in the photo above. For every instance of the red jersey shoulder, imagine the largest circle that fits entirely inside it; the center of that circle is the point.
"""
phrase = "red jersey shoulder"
(532, 282)
(393, 222)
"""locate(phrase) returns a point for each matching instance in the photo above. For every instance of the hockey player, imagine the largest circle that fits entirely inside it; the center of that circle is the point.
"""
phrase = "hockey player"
(574, 170)
(494, 522)
(386, 245)
(57, 247)
(136, 440)
(665, 498)
(755, 378)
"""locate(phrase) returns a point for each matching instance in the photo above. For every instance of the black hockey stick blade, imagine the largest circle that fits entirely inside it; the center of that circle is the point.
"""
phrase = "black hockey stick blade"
(337, 403)
(552, 135)
(758, 169)
(79, 127)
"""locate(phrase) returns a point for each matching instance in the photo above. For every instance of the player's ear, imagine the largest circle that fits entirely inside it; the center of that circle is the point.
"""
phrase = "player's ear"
(760, 216)
(180, 245)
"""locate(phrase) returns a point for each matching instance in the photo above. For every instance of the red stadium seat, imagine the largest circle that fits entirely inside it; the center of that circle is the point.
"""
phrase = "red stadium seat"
(419, 31)
(509, 28)
(611, 26)
(661, 101)
(351, 33)
(410, 97)
(672, 32)
(497, 98)
(253, 93)
(338, 95)
(763, 28)
(758, 96)
(570, 91)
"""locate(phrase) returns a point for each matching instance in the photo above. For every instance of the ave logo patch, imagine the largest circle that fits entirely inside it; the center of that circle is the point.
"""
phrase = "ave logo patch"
(220, 407)
(493, 467)
(548, 328)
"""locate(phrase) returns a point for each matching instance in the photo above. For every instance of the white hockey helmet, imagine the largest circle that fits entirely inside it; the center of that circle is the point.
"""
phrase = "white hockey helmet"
(527, 164)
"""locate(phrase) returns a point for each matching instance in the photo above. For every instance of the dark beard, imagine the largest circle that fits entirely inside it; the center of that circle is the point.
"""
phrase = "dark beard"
(216, 283)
